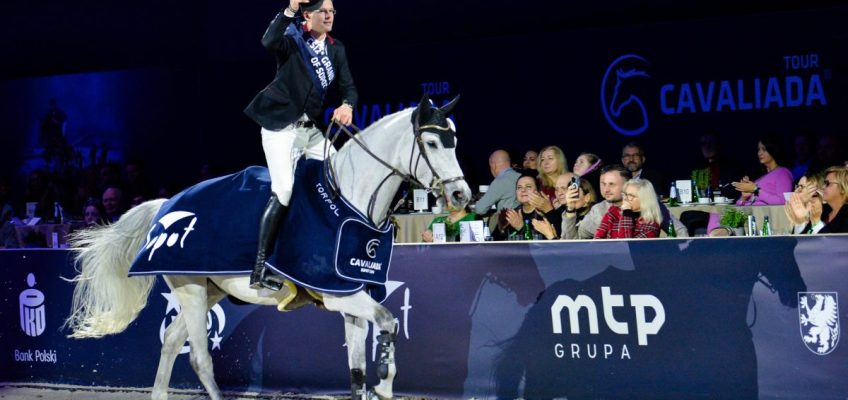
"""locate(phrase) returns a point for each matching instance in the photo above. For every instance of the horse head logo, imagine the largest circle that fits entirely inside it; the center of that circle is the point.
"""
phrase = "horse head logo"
(819, 320)
(623, 109)
(371, 247)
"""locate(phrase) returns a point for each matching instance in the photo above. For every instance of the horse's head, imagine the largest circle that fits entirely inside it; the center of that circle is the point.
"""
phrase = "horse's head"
(435, 135)
(622, 94)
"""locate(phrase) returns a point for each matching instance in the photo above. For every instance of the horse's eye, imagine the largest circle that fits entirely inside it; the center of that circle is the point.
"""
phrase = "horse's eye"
(431, 144)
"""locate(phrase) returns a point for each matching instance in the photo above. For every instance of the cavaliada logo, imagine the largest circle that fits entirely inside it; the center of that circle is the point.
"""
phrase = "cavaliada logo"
(570, 317)
(631, 96)
(623, 107)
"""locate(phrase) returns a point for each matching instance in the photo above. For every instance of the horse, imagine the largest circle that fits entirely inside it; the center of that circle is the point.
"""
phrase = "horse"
(368, 171)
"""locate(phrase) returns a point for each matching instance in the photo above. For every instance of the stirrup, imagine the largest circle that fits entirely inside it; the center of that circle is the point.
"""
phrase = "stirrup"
(270, 281)
(266, 281)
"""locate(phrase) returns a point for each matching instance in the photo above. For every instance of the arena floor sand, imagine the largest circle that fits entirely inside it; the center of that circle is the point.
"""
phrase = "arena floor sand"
(21, 391)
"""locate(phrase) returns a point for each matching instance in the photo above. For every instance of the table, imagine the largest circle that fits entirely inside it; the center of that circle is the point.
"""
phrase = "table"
(410, 226)
(777, 217)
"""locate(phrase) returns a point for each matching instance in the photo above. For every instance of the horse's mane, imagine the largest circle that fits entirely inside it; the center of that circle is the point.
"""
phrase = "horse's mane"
(384, 123)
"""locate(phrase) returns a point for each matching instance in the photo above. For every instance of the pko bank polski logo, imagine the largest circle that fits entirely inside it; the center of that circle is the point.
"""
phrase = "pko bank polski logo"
(819, 319)
(639, 304)
(31, 305)
(621, 100)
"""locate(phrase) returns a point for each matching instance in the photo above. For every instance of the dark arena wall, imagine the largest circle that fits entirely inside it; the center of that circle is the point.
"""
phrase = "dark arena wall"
(169, 81)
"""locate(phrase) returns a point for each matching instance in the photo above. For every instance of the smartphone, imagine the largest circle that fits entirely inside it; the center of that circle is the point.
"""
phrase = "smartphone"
(575, 181)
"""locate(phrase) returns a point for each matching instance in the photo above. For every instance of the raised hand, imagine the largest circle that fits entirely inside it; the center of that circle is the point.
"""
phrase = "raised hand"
(797, 210)
(295, 4)
(540, 202)
(513, 218)
(545, 228)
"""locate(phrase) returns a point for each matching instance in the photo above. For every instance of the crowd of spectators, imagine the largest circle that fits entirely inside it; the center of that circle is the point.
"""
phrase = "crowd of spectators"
(69, 192)
(539, 198)
(542, 199)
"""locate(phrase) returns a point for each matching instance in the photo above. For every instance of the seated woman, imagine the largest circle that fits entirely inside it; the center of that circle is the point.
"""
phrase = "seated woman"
(806, 199)
(638, 217)
(511, 226)
(832, 217)
(769, 188)
(93, 214)
(551, 165)
(577, 199)
(451, 221)
(586, 163)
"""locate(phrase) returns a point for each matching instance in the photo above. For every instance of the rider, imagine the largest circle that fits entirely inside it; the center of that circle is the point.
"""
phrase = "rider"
(289, 109)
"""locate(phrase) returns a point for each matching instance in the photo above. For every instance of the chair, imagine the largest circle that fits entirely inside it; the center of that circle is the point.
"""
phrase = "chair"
(696, 222)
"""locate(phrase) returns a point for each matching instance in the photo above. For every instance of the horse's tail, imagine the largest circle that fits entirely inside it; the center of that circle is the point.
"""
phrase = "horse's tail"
(106, 300)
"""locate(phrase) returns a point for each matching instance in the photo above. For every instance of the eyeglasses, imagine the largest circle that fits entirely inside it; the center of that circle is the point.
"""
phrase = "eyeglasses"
(325, 11)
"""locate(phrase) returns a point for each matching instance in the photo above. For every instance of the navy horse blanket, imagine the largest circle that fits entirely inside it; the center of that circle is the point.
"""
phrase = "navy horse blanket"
(324, 243)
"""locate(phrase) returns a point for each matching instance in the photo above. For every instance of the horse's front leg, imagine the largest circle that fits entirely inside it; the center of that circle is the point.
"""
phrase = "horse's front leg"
(356, 331)
(361, 305)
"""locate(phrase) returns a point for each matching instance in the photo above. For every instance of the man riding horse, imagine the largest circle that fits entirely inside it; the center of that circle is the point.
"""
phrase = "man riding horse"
(289, 108)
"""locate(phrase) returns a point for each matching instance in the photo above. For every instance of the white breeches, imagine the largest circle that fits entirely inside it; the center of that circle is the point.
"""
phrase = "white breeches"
(282, 150)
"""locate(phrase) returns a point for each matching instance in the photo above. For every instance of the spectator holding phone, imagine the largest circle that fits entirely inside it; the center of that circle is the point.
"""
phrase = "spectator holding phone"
(578, 196)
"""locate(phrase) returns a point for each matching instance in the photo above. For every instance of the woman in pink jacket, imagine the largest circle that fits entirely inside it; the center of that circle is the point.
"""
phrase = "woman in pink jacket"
(769, 188)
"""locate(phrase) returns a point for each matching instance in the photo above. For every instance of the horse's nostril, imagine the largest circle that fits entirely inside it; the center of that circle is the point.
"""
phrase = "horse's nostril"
(459, 196)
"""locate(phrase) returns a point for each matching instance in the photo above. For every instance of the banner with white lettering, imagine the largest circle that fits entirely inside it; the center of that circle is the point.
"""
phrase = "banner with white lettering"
(741, 318)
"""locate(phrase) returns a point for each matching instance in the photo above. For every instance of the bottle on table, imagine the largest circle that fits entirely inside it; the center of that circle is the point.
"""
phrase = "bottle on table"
(752, 226)
(766, 227)
(695, 190)
(528, 229)
(672, 232)
(487, 235)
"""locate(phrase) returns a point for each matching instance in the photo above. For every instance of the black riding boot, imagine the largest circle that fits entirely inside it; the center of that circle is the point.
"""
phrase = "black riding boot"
(268, 228)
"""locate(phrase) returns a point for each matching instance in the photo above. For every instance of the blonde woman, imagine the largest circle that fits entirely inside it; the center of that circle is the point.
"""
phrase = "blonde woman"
(638, 217)
(832, 217)
(551, 165)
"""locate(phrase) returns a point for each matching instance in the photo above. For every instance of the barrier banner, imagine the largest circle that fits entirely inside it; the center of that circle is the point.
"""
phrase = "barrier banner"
(741, 318)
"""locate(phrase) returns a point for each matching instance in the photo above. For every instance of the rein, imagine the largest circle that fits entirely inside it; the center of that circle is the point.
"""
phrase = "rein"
(437, 185)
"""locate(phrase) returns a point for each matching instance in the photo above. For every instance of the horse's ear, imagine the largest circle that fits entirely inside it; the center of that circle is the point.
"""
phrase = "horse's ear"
(448, 108)
(425, 109)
